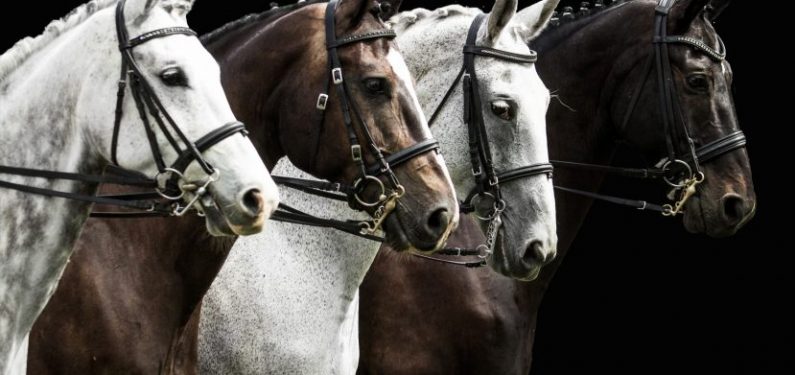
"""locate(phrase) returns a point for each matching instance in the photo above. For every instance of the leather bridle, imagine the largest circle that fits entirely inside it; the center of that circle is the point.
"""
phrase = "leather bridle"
(681, 169)
(487, 178)
(170, 184)
(387, 196)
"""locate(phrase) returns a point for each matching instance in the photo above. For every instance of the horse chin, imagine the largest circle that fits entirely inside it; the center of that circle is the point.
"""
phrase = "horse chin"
(216, 222)
(500, 263)
(700, 218)
(395, 236)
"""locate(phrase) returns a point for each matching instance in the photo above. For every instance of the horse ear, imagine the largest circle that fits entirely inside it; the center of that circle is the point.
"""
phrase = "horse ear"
(137, 10)
(533, 19)
(389, 8)
(177, 8)
(350, 13)
(715, 7)
(684, 12)
(499, 17)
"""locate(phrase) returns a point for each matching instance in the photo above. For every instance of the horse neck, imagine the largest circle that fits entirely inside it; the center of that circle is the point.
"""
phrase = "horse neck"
(41, 123)
(258, 90)
(580, 63)
(49, 102)
(257, 78)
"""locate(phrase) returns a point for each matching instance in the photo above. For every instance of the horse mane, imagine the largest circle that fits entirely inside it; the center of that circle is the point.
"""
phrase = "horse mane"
(404, 20)
(23, 49)
(566, 21)
(267, 16)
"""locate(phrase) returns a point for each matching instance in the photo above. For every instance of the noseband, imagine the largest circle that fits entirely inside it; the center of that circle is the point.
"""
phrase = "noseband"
(170, 183)
(387, 197)
(681, 169)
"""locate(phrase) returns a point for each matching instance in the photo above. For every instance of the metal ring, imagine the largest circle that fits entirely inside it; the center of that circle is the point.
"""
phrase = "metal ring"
(161, 191)
(401, 191)
(483, 251)
(700, 177)
(358, 184)
(500, 205)
(665, 169)
(476, 199)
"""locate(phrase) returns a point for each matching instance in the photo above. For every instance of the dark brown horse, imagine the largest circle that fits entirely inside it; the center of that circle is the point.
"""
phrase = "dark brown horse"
(124, 304)
(477, 322)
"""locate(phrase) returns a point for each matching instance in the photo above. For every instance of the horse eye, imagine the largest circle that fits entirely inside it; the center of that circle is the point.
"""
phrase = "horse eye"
(174, 77)
(375, 85)
(503, 110)
(698, 82)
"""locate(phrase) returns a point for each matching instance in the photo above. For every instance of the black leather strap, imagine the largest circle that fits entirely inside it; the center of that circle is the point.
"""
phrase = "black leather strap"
(638, 204)
(526, 171)
(406, 154)
(721, 146)
(210, 140)
(650, 173)
(472, 49)
(159, 33)
(378, 34)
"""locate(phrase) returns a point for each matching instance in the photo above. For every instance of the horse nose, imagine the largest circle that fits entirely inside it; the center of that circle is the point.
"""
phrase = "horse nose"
(252, 203)
(538, 254)
(734, 208)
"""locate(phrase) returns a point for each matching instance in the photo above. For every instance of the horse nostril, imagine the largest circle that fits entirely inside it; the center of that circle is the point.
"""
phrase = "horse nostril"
(733, 208)
(252, 203)
(535, 254)
(437, 222)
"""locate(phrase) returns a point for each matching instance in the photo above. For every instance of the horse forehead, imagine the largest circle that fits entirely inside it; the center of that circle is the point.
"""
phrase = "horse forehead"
(401, 71)
(518, 80)
(157, 18)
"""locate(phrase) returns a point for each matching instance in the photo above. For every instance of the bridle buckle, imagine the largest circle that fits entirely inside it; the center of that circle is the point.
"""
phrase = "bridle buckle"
(322, 101)
(336, 75)
(356, 152)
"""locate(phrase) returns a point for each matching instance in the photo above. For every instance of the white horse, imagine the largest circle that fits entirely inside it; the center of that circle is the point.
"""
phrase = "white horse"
(57, 104)
(286, 302)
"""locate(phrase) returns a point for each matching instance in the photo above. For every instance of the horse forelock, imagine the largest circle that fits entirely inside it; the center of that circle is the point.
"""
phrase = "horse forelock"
(405, 20)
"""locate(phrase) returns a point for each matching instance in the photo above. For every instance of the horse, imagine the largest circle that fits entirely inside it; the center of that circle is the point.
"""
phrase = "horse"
(59, 133)
(137, 282)
(477, 322)
(294, 309)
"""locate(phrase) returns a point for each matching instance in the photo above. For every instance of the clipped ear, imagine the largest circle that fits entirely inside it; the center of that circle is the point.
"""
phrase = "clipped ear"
(177, 8)
(350, 13)
(684, 12)
(499, 17)
(388, 8)
(715, 7)
(533, 19)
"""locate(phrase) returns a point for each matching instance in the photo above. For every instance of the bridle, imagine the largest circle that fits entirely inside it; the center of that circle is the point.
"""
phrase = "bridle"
(487, 178)
(680, 169)
(170, 184)
(387, 196)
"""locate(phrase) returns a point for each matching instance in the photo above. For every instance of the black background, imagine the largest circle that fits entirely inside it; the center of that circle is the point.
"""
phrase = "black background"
(636, 293)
